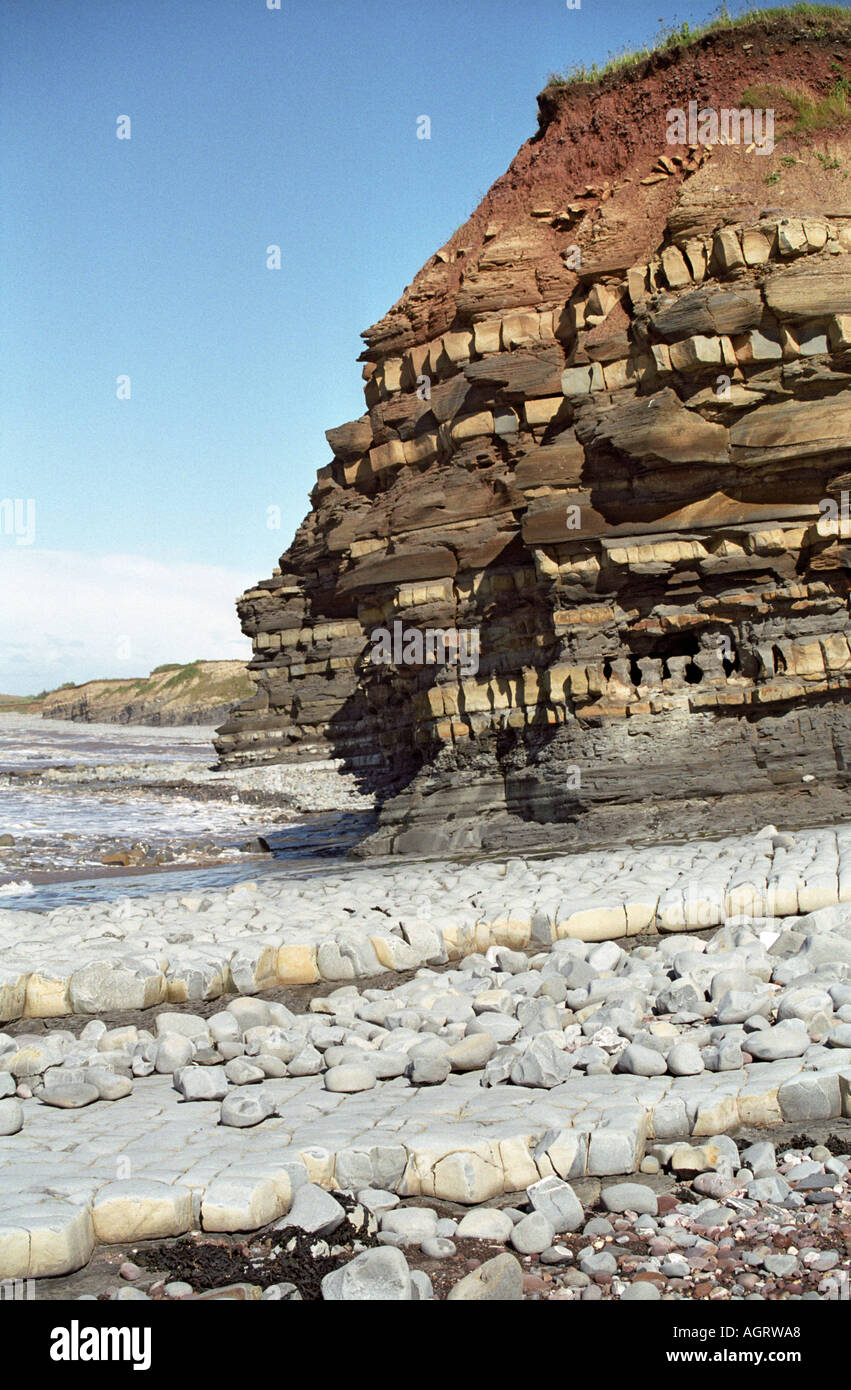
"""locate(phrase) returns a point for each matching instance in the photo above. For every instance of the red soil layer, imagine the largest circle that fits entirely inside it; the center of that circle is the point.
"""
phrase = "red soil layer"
(604, 134)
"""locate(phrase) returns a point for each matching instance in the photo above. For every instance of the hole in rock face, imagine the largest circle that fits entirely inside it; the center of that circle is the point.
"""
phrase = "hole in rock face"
(778, 659)
(607, 670)
(662, 649)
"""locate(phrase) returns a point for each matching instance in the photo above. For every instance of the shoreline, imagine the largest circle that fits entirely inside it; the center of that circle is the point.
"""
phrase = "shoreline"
(95, 806)
(486, 1040)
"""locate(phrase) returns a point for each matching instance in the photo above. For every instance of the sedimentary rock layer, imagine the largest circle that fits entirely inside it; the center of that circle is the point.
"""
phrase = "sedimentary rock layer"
(607, 432)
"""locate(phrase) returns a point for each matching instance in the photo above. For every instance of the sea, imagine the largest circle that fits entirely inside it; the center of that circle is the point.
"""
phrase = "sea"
(72, 795)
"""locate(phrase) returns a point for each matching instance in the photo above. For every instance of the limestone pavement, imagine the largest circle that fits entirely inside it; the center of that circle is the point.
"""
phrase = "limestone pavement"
(565, 1059)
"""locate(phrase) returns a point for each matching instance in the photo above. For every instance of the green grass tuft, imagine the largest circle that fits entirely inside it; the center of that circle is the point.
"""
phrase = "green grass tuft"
(673, 36)
(810, 112)
(183, 673)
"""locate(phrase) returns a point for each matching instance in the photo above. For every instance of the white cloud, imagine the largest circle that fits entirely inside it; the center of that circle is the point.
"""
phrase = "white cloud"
(65, 616)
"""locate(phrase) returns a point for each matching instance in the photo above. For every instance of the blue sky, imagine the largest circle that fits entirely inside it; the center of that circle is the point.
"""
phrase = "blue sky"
(146, 257)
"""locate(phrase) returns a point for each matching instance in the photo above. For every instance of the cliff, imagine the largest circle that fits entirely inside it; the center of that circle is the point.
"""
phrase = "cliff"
(606, 438)
(201, 693)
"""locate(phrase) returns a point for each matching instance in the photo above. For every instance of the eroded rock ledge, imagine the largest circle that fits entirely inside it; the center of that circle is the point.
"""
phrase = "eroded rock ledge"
(617, 472)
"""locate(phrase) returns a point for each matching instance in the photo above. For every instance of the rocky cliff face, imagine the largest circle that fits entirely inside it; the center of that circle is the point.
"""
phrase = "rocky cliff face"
(605, 426)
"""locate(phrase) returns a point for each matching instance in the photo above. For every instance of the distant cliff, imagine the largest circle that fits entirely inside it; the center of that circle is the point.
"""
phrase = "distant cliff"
(203, 692)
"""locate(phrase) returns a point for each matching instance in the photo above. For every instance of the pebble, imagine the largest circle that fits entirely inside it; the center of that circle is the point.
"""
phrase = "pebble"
(598, 1226)
(201, 1083)
(422, 1288)
(377, 1200)
(377, 1275)
(485, 1223)
(773, 1188)
(471, 1053)
(314, 1210)
(11, 1116)
(593, 1262)
(350, 1079)
(172, 1052)
(416, 1224)
(497, 1280)
(240, 1072)
(109, 1085)
(557, 1201)
(640, 1061)
(243, 1111)
(630, 1196)
(644, 1291)
(533, 1234)
(438, 1247)
(684, 1059)
(760, 1158)
(68, 1096)
(427, 1066)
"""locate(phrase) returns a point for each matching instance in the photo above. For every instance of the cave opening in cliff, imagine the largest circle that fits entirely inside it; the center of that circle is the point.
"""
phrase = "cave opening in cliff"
(663, 649)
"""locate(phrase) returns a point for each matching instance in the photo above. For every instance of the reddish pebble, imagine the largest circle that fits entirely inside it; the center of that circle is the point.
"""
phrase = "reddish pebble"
(661, 1247)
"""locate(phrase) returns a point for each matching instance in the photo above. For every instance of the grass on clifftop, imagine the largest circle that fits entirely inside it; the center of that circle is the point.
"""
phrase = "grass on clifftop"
(809, 112)
(197, 681)
(670, 36)
(183, 673)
